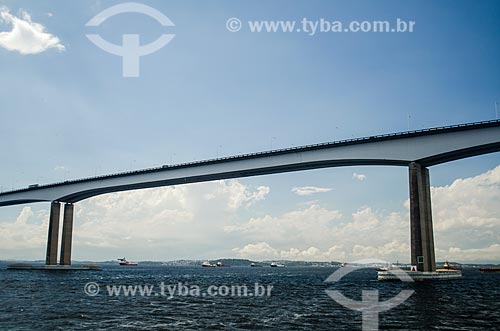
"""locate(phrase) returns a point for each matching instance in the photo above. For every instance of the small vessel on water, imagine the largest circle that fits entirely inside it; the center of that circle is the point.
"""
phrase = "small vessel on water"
(126, 263)
(219, 264)
(207, 264)
(402, 275)
(276, 265)
(449, 266)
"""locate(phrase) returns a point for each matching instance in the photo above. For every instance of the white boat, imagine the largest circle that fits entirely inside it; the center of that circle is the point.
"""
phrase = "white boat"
(276, 265)
(207, 264)
(399, 275)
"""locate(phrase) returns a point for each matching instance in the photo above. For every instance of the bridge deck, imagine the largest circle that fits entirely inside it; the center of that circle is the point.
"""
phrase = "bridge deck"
(427, 147)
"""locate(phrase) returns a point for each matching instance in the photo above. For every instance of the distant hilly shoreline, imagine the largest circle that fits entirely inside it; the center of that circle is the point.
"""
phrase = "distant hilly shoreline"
(235, 263)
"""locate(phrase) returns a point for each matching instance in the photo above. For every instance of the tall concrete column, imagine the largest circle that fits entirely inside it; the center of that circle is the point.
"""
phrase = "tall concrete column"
(67, 235)
(53, 236)
(421, 229)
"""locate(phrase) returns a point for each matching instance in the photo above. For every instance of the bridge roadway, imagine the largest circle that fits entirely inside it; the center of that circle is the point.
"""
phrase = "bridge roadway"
(416, 150)
(425, 147)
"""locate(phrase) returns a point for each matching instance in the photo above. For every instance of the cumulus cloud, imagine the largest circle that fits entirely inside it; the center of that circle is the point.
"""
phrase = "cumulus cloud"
(360, 177)
(26, 36)
(316, 233)
(467, 218)
(165, 216)
(257, 251)
(308, 190)
(485, 254)
(27, 233)
(302, 226)
(468, 203)
(466, 227)
(160, 223)
(264, 251)
(240, 195)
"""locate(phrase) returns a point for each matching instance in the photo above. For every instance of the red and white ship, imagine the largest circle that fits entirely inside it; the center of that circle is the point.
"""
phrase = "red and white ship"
(124, 262)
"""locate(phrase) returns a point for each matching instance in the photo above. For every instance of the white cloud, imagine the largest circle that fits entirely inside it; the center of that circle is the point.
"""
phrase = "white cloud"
(164, 216)
(26, 36)
(390, 249)
(468, 203)
(304, 227)
(319, 234)
(488, 254)
(264, 251)
(257, 251)
(161, 223)
(308, 190)
(360, 177)
(466, 219)
(28, 232)
(240, 195)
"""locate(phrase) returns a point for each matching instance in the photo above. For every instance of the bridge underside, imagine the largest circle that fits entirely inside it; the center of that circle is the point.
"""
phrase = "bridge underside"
(421, 229)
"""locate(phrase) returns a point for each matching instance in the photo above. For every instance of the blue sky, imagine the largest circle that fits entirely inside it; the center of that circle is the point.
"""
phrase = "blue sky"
(210, 92)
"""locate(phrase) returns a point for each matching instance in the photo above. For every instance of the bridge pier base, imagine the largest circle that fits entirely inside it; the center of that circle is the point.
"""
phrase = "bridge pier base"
(67, 235)
(421, 229)
(53, 236)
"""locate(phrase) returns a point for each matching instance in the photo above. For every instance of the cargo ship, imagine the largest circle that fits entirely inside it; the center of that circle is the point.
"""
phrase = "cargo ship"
(124, 262)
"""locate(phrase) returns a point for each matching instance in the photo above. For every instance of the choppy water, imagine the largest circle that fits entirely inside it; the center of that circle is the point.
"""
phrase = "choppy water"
(38, 300)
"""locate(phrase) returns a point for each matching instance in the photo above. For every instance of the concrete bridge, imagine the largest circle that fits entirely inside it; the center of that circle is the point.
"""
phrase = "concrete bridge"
(416, 150)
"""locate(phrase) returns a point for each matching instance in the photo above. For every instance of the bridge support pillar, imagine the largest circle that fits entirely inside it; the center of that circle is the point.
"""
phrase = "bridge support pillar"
(53, 236)
(67, 235)
(421, 230)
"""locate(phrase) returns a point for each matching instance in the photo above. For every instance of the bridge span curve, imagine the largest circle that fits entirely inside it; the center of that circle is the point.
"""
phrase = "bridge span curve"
(426, 147)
